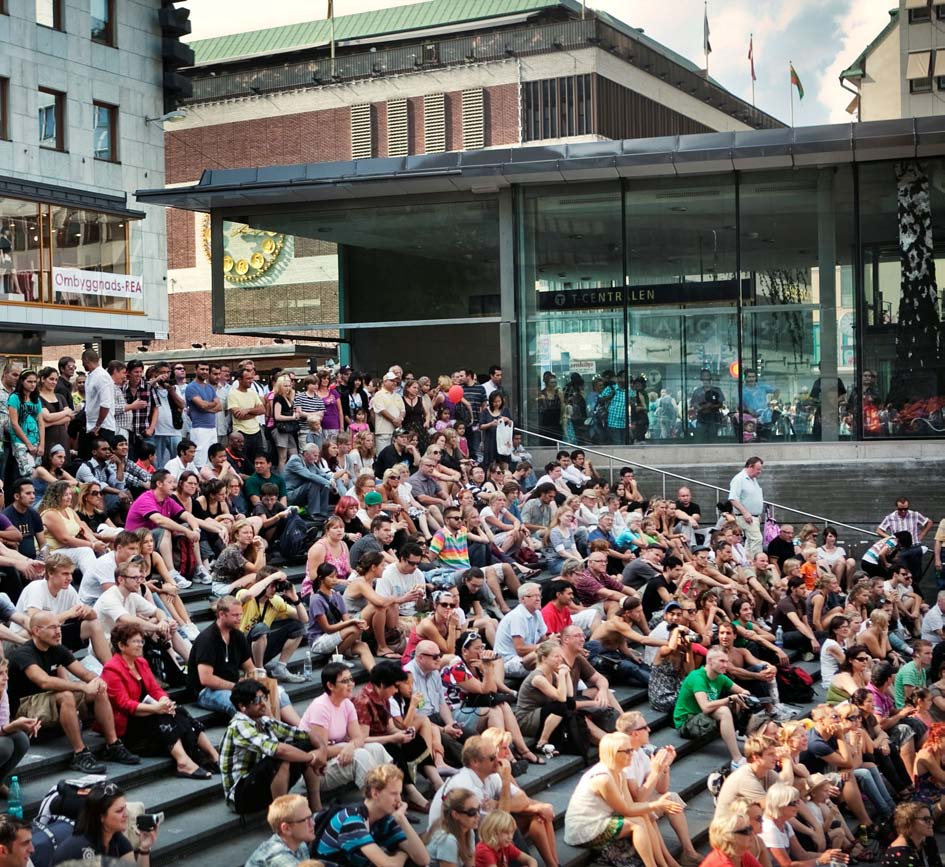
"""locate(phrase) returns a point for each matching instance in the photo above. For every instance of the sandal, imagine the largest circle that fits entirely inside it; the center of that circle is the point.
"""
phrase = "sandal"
(547, 750)
(389, 654)
(532, 759)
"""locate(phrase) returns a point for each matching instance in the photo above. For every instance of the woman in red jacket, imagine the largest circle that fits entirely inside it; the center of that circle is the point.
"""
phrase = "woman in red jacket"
(145, 714)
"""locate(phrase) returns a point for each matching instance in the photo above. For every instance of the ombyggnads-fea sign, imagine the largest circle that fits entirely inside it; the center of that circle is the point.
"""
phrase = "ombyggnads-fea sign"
(97, 283)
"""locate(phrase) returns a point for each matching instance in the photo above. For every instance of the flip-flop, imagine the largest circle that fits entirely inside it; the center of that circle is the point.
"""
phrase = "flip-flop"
(393, 654)
(196, 774)
(534, 760)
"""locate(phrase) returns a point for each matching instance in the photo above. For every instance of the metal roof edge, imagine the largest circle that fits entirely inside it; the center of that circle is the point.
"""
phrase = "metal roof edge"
(857, 68)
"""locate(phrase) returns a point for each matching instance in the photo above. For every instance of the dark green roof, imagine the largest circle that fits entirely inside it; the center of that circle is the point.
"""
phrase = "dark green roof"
(858, 67)
(364, 25)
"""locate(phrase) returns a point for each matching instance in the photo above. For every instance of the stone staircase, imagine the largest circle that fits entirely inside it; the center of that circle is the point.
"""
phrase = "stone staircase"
(199, 829)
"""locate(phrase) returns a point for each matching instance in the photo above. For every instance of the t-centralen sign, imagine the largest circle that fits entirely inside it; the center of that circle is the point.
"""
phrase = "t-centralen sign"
(97, 283)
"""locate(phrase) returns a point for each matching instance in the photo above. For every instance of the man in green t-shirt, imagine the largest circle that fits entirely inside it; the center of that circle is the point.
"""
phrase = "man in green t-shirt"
(912, 675)
(705, 701)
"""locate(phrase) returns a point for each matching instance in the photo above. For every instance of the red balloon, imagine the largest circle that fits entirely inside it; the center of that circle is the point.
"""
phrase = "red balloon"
(455, 394)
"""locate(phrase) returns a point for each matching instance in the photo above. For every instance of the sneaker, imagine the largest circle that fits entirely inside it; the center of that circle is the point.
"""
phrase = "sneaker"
(84, 761)
(808, 656)
(281, 673)
(782, 713)
(202, 576)
(180, 580)
(118, 752)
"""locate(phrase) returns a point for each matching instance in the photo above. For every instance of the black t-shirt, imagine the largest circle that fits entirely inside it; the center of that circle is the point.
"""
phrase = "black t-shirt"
(638, 573)
(26, 655)
(389, 457)
(780, 550)
(29, 524)
(466, 598)
(652, 601)
(691, 509)
(78, 847)
(787, 605)
(226, 658)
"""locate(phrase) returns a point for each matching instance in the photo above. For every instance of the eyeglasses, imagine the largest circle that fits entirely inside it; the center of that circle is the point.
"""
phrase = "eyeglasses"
(309, 818)
(95, 493)
(446, 604)
(792, 804)
(345, 680)
(472, 811)
(643, 728)
(745, 832)
(259, 699)
(854, 717)
(625, 750)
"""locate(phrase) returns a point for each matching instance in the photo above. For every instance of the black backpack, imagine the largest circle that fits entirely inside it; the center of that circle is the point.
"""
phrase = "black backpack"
(795, 686)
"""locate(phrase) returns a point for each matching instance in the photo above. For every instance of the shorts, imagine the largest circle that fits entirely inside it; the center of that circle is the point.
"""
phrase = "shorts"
(516, 667)
(326, 643)
(471, 719)
(698, 726)
(253, 793)
(43, 706)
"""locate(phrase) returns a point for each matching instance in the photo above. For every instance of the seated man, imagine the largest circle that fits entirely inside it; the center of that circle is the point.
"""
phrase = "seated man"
(379, 539)
(39, 689)
(186, 452)
(403, 580)
(617, 557)
(305, 484)
(521, 631)
(790, 616)
(290, 818)
(594, 586)
(274, 622)
(612, 645)
(705, 703)
(753, 779)
(755, 675)
(79, 623)
(375, 833)
(427, 681)
(262, 463)
(648, 779)
(596, 696)
(220, 655)
(560, 611)
(271, 513)
(909, 604)
(30, 534)
(262, 758)
(539, 509)
(217, 466)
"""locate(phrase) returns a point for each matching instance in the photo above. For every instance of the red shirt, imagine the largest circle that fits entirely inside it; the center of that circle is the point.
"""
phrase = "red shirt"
(486, 856)
(555, 619)
(717, 858)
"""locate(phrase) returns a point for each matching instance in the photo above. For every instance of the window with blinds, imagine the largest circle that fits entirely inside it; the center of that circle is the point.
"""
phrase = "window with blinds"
(474, 123)
(434, 123)
(362, 141)
(398, 143)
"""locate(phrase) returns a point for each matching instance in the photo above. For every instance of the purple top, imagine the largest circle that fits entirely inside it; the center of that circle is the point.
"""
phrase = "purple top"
(332, 418)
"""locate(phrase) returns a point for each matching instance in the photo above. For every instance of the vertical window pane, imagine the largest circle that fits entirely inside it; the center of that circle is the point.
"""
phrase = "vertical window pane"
(48, 13)
(101, 21)
(48, 133)
(102, 133)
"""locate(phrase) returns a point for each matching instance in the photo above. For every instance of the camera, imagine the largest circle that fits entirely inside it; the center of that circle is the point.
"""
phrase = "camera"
(282, 585)
(148, 821)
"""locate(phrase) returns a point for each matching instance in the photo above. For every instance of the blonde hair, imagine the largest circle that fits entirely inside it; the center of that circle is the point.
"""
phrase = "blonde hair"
(722, 831)
(283, 386)
(629, 721)
(879, 618)
(609, 745)
(380, 778)
(778, 796)
(497, 822)
(281, 810)
(497, 737)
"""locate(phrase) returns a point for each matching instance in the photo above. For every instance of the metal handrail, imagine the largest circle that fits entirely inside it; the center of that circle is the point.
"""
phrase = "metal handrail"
(664, 473)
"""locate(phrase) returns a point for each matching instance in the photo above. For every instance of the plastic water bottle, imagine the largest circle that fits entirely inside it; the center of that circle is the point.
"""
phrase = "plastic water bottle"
(779, 637)
(307, 667)
(15, 800)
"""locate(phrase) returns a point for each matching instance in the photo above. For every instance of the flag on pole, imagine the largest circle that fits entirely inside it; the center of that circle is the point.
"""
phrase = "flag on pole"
(751, 56)
(331, 11)
(796, 81)
(706, 45)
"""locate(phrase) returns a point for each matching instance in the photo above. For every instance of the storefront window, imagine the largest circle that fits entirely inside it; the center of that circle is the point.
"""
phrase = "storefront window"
(902, 227)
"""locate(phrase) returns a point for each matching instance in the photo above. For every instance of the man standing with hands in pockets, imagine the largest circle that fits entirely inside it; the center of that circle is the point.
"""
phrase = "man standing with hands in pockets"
(748, 502)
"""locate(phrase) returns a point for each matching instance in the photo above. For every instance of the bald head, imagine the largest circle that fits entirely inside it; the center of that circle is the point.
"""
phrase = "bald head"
(45, 630)
(428, 656)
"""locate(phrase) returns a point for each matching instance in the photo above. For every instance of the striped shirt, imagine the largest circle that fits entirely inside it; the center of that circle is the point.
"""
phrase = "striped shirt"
(348, 832)
(451, 551)
(309, 403)
(912, 521)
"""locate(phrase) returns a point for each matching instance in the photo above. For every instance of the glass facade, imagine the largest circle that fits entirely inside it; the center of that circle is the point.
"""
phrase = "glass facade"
(36, 238)
(723, 308)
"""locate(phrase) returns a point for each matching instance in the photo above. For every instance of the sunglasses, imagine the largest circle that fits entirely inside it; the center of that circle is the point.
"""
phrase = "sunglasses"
(854, 718)
(446, 604)
(472, 811)
(625, 750)
(259, 699)
(433, 655)
(745, 832)
(308, 818)
(643, 728)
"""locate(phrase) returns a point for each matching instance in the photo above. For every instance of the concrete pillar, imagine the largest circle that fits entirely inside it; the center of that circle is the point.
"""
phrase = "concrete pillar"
(826, 263)
(112, 350)
(508, 327)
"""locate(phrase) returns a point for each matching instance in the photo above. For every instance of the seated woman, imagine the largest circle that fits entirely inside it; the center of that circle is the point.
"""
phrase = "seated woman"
(66, 532)
(347, 509)
(332, 720)
(875, 638)
(99, 830)
(928, 772)
(730, 836)
(603, 816)
(755, 813)
(831, 651)
(380, 613)
(546, 698)
(211, 505)
(51, 469)
(854, 674)
(824, 603)
(90, 507)
(867, 774)
(160, 582)
(330, 628)
(477, 694)
(374, 832)
(188, 486)
(331, 548)
(915, 838)
(408, 750)
(883, 755)
(238, 563)
(560, 543)
(146, 716)
(236, 503)
(753, 636)
(904, 730)
(780, 806)
(831, 556)
(483, 554)
(442, 627)
(451, 840)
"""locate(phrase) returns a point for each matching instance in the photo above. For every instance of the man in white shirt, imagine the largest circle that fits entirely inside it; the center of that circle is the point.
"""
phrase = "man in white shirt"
(521, 631)
(99, 399)
(186, 452)
(933, 624)
(403, 580)
(483, 774)
(124, 603)
(57, 595)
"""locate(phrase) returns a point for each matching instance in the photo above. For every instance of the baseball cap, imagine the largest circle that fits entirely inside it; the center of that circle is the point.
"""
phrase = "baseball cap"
(400, 432)
(373, 498)
(670, 606)
(699, 548)
(344, 369)
(390, 377)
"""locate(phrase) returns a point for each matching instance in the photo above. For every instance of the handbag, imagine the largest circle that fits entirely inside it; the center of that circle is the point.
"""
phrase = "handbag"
(770, 527)
(287, 427)
(485, 699)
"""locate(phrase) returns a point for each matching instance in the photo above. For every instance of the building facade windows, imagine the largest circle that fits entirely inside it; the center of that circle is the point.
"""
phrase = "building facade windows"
(103, 21)
(52, 109)
(105, 131)
(37, 238)
(49, 14)
(557, 107)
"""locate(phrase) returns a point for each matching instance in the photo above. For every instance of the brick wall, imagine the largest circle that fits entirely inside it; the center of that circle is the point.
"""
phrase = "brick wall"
(181, 229)
(501, 110)
(415, 124)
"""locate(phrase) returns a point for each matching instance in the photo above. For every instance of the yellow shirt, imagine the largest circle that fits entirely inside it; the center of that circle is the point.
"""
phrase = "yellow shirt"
(248, 399)
(273, 609)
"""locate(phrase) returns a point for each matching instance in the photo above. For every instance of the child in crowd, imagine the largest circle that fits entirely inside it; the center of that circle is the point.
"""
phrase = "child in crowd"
(496, 848)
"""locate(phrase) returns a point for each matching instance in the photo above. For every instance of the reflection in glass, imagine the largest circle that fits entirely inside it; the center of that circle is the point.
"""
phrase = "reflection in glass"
(102, 132)
(101, 21)
(89, 241)
(48, 118)
(19, 250)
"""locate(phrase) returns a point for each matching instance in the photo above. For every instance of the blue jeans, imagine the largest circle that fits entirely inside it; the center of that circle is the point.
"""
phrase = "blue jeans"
(311, 495)
(871, 784)
(165, 449)
(617, 667)
(219, 700)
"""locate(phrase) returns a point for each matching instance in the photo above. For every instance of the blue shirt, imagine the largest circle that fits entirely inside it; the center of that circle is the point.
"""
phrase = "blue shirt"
(348, 832)
(200, 417)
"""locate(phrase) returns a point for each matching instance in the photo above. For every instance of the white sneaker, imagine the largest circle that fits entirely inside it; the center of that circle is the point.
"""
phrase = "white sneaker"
(280, 672)
(782, 713)
(202, 576)
(180, 580)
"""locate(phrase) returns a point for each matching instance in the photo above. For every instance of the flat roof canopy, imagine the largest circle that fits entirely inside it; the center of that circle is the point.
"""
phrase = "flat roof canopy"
(487, 171)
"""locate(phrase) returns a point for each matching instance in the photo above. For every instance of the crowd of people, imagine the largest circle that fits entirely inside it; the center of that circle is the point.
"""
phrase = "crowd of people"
(423, 524)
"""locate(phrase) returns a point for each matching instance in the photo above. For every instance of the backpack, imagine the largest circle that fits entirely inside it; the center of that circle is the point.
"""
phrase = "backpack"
(795, 686)
(297, 537)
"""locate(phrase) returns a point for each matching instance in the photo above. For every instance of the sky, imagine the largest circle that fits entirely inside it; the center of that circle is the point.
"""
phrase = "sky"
(820, 37)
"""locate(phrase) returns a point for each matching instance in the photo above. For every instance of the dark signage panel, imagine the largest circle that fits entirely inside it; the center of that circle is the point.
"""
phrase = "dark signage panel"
(640, 296)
